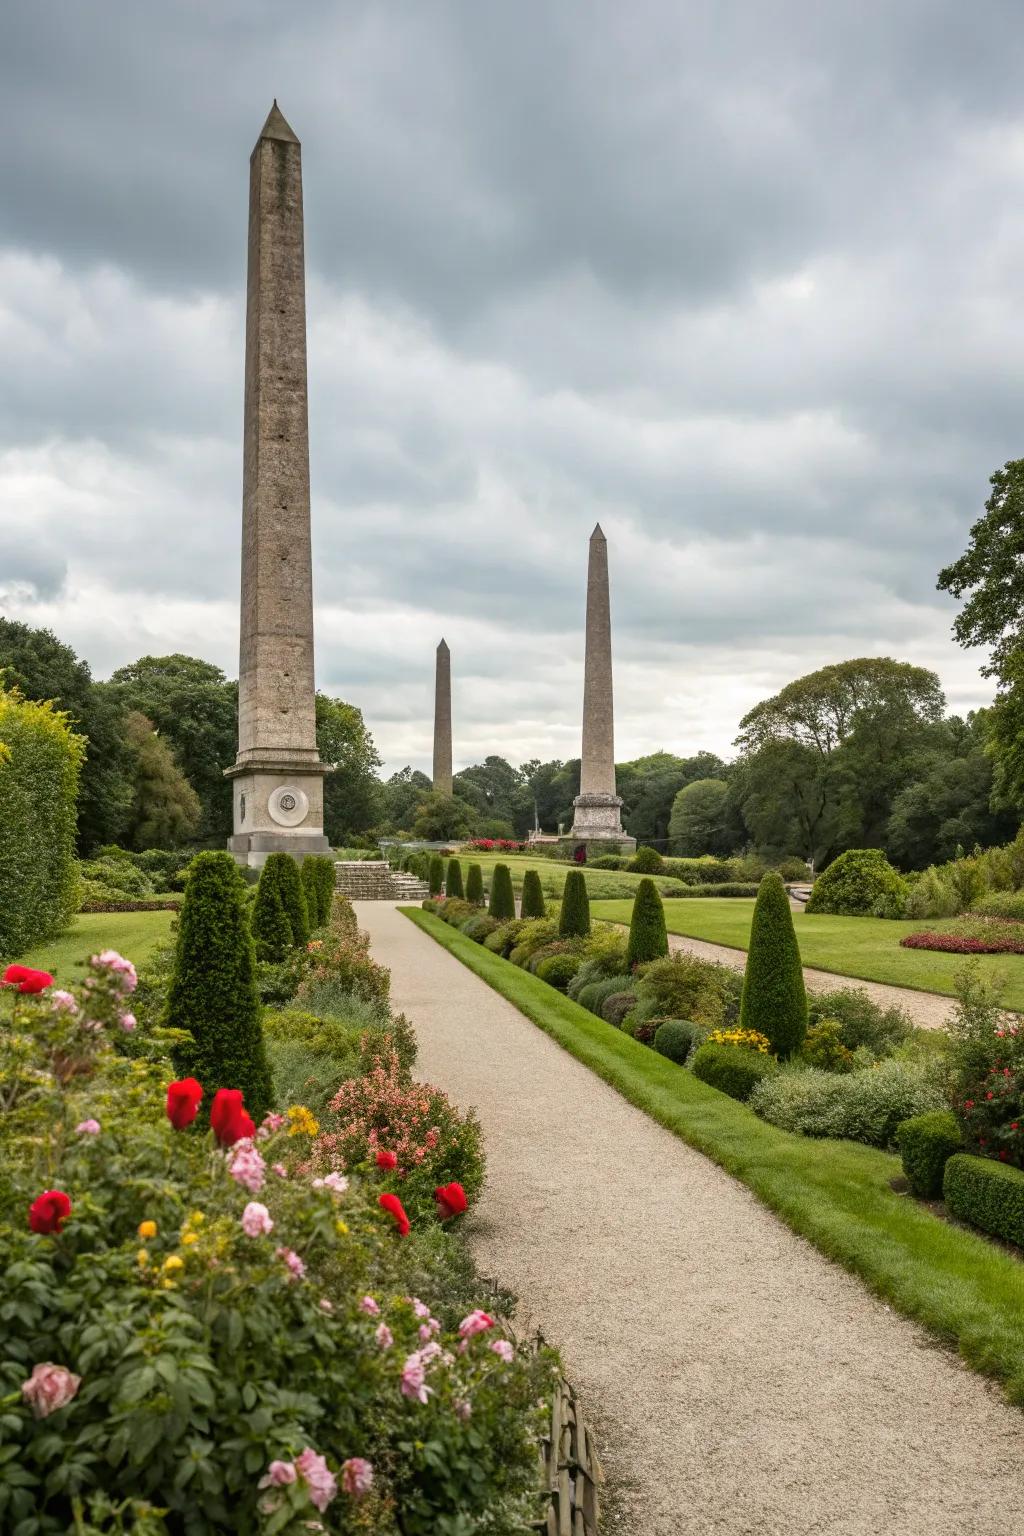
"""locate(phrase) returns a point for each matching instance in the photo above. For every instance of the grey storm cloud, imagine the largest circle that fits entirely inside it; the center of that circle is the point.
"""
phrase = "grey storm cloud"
(742, 282)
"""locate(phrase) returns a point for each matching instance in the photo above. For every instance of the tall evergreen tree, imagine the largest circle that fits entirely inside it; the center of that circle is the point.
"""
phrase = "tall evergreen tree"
(309, 875)
(285, 871)
(453, 881)
(648, 939)
(475, 885)
(574, 919)
(774, 1001)
(165, 809)
(533, 895)
(213, 992)
(502, 904)
(435, 874)
(271, 930)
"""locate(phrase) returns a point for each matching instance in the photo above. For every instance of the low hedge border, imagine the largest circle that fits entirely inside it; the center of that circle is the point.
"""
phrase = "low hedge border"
(836, 1194)
(926, 1144)
(988, 1194)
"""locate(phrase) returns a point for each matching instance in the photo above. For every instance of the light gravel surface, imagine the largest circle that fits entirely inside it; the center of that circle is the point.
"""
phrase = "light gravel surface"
(743, 1383)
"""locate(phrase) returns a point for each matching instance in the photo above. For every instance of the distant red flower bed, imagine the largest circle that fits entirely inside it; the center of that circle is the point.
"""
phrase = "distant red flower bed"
(496, 845)
(965, 944)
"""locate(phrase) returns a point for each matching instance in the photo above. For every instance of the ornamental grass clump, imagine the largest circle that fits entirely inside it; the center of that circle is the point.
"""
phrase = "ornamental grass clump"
(533, 895)
(648, 939)
(774, 1002)
(213, 988)
(453, 881)
(502, 903)
(574, 918)
(475, 885)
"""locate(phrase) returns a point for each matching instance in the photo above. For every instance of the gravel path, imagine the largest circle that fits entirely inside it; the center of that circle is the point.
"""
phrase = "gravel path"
(744, 1384)
(928, 1009)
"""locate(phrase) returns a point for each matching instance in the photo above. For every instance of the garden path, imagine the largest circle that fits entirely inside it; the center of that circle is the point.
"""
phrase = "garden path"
(744, 1385)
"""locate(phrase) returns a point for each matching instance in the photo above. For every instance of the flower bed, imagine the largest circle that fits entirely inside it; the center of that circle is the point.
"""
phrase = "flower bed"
(980, 938)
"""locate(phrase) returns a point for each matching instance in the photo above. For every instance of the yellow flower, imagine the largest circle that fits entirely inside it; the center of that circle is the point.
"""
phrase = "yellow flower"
(142, 1258)
(196, 1219)
(173, 1262)
(301, 1122)
(341, 1228)
(147, 1229)
(188, 1238)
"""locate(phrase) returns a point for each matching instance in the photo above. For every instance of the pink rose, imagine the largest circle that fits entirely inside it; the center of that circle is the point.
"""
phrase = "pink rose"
(325, 1304)
(87, 1128)
(414, 1379)
(256, 1220)
(246, 1166)
(317, 1477)
(49, 1387)
(476, 1322)
(63, 1002)
(280, 1170)
(290, 1257)
(369, 1306)
(357, 1476)
(278, 1475)
(384, 1336)
(272, 1121)
(123, 969)
(504, 1351)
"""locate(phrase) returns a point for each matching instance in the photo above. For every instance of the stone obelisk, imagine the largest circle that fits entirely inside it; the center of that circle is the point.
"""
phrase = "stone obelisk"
(597, 808)
(278, 775)
(443, 722)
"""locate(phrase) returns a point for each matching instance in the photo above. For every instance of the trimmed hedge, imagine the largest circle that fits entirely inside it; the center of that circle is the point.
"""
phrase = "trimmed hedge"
(116, 904)
(729, 888)
(213, 992)
(271, 928)
(453, 885)
(533, 895)
(648, 939)
(731, 1068)
(574, 918)
(286, 872)
(318, 883)
(435, 874)
(774, 1001)
(475, 885)
(987, 1194)
(502, 904)
(926, 1144)
(859, 882)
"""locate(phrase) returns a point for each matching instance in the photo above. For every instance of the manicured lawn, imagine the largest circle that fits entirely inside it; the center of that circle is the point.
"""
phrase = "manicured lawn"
(602, 884)
(133, 934)
(865, 947)
(837, 1194)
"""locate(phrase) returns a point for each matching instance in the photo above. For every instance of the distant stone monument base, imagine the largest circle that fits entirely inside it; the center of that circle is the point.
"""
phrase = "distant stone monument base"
(597, 824)
(277, 811)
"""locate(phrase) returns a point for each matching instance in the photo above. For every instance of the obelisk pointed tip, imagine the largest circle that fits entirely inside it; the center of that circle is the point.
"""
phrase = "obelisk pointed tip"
(276, 127)
(443, 646)
(598, 535)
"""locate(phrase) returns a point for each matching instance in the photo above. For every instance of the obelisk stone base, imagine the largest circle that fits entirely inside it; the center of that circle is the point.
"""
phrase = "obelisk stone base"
(277, 810)
(597, 827)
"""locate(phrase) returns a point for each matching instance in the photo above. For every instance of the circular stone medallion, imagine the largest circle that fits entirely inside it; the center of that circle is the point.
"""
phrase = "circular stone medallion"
(288, 806)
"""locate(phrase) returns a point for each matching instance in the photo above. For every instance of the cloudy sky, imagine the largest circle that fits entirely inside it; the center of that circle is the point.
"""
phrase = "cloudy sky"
(743, 281)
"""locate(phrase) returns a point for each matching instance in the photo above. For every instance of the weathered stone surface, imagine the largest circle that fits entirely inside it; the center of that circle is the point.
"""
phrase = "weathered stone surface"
(276, 700)
(597, 808)
(443, 722)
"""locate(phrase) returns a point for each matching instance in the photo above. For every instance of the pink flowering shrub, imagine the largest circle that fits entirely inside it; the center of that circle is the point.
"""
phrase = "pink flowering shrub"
(988, 1068)
(971, 937)
(431, 1142)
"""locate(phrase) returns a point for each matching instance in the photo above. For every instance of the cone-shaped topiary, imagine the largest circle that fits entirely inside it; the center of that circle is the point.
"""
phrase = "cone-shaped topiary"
(326, 886)
(271, 930)
(533, 895)
(575, 916)
(774, 1002)
(475, 885)
(436, 874)
(453, 881)
(286, 873)
(213, 988)
(647, 937)
(502, 904)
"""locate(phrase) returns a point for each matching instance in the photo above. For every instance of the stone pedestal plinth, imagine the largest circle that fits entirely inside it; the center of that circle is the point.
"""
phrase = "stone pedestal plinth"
(597, 825)
(278, 809)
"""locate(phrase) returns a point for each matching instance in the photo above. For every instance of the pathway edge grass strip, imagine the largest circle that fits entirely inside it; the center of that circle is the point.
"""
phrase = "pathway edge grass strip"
(837, 1194)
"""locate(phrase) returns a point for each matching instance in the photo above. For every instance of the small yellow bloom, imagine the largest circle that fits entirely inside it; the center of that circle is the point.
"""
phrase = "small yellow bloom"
(142, 1258)
(341, 1228)
(147, 1229)
(173, 1262)
(301, 1122)
(196, 1219)
(189, 1238)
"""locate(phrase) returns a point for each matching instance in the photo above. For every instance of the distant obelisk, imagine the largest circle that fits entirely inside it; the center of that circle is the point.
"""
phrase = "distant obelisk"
(443, 722)
(278, 775)
(597, 807)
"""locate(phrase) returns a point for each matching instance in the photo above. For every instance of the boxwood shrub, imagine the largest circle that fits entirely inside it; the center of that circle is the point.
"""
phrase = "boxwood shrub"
(926, 1144)
(731, 1068)
(676, 1038)
(859, 882)
(988, 1194)
(594, 994)
(478, 927)
(615, 1007)
(558, 970)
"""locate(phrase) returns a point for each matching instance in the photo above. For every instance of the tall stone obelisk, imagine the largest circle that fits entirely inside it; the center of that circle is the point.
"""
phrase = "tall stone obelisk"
(597, 808)
(443, 722)
(278, 775)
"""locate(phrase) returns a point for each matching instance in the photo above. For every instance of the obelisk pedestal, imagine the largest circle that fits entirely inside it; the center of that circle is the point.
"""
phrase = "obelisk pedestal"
(443, 722)
(278, 775)
(597, 819)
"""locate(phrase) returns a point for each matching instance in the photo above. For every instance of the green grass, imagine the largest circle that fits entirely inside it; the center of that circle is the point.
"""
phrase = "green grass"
(133, 934)
(602, 884)
(865, 947)
(837, 1194)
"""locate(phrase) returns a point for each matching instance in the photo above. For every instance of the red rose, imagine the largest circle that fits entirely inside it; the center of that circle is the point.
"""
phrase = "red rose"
(49, 1211)
(451, 1201)
(27, 980)
(393, 1206)
(228, 1118)
(386, 1160)
(183, 1102)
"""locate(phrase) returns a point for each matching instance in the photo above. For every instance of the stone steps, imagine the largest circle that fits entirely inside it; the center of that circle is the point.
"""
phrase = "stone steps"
(366, 880)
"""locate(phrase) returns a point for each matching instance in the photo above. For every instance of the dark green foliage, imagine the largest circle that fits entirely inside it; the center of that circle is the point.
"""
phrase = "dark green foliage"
(558, 970)
(859, 882)
(327, 882)
(731, 1068)
(607, 861)
(574, 919)
(593, 995)
(646, 861)
(435, 874)
(533, 895)
(271, 930)
(310, 889)
(988, 1194)
(502, 904)
(615, 1008)
(454, 910)
(862, 1022)
(213, 990)
(453, 883)
(676, 1039)
(926, 1144)
(475, 885)
(648, 939)
(286, 873)
(685, 987)
(774, 1001)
